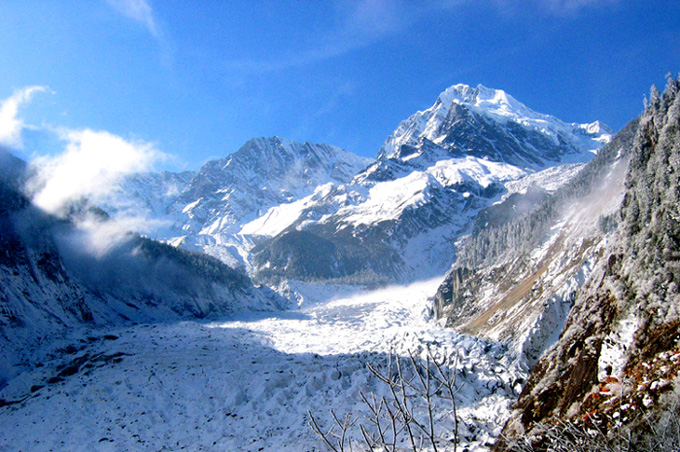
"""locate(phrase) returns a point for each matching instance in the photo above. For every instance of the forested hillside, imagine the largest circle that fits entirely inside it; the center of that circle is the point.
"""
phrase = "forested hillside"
(516, 275)
(615, 367)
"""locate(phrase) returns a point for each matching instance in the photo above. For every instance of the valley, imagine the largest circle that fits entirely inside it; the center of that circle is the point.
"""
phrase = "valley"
(246, 383)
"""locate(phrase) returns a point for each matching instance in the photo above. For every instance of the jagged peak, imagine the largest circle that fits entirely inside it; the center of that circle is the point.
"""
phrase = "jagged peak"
(262, 150)
(466, 94)
(495, 102)
(497, 106)
(277, 144)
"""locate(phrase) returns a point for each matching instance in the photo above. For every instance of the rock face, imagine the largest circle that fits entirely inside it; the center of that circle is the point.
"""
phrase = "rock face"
(486, 123)
(602, 253)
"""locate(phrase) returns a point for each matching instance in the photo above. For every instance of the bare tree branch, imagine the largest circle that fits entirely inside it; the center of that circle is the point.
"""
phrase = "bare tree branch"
(407, 415)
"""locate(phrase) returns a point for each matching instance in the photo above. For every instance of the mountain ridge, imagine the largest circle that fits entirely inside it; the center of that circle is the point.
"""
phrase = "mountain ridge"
(462, 103)
(243, 209)
(426, 191)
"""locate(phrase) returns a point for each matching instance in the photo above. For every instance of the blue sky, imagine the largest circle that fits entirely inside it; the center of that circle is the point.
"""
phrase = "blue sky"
(196, 79)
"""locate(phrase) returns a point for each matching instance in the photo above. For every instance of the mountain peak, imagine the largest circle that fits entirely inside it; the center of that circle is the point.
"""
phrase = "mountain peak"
(277, 147)
(492, 124)
(496, 103)
(264, 172)
(466, 94)
(460, 92)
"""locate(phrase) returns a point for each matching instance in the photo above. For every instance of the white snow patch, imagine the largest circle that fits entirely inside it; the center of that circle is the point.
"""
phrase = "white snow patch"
(613, 354)
(276, 220)
(388, 200)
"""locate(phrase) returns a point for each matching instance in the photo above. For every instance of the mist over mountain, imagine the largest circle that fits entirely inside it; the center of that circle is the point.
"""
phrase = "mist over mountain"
(63, 274)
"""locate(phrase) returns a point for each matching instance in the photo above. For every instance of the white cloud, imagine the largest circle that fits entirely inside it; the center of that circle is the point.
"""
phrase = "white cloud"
(91, 167)
(361, 23)
(10, 124)
(139, 11)
(563, 8)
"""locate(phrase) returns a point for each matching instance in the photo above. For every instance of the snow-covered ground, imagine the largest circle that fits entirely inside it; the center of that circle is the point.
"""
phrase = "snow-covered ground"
(246, 383)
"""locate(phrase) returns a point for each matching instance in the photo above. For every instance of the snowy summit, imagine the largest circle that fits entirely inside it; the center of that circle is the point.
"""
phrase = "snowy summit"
(495, 108)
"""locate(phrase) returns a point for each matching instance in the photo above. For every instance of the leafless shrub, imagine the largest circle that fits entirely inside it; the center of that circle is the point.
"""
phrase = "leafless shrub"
(658, 433)
(407, 415)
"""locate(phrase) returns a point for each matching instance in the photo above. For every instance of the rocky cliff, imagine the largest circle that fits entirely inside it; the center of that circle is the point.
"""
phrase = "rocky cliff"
(614, 370)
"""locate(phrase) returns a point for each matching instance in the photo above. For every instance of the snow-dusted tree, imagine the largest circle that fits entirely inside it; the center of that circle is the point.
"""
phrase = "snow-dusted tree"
(627, 315)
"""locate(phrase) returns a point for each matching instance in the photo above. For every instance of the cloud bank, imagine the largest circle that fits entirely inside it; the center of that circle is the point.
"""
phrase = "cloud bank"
(10, 124)
(91, 167)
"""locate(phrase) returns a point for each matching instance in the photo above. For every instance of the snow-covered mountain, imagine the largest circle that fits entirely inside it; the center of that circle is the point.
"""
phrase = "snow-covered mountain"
(287, 210)
(205, 211)
(265, 172)
(488, 124)
(399, 218)
(395, 230)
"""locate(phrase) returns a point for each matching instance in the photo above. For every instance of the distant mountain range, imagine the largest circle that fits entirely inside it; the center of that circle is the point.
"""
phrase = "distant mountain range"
(285, 210)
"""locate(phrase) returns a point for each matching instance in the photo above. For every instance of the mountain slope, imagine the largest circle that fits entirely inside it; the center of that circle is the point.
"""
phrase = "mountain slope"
(624, 328)
(368, 229)
(263, 173)
(517, 275)
(205, 211)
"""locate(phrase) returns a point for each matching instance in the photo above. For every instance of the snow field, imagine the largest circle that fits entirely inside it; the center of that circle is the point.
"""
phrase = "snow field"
(246, 384)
